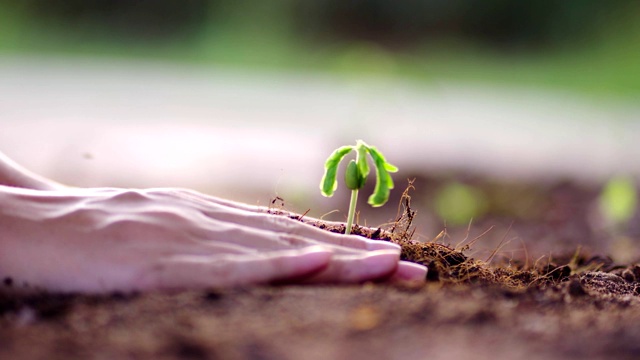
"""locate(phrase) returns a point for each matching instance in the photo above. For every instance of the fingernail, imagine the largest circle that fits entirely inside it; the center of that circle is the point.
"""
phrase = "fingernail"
(411, 271)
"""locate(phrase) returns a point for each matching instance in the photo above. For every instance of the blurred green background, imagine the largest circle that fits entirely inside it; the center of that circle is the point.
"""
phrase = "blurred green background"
(588, 46)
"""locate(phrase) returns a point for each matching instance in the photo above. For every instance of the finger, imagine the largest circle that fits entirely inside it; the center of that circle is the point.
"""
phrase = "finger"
(408, 271)
(241, 214)
(351, 269)
(251, 237)
(254, 216)
(260, 240)
(208, 200)
(193, 247)
(192, 272)
(281, 224)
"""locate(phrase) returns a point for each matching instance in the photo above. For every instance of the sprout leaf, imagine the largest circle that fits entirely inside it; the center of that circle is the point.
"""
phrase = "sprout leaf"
(329, 184)
(384, 182)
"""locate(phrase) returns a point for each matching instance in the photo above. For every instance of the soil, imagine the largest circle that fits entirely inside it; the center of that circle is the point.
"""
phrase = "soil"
(576, 304)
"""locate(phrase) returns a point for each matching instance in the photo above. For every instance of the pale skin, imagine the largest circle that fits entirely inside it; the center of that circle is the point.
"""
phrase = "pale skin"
(96, 240)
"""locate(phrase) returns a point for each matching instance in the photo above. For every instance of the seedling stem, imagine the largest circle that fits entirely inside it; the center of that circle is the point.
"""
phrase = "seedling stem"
(352, 211)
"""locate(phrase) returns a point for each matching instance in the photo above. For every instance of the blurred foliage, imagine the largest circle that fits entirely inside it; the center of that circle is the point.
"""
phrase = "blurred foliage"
(587, 45)
(126, 20)
(458, 204)
(618, 200)
(496, 22)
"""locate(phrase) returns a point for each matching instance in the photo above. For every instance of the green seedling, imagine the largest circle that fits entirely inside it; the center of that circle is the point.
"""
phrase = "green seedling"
(356, 174)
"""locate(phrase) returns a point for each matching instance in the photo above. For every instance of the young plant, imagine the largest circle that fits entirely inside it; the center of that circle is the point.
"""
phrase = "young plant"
(356, 175)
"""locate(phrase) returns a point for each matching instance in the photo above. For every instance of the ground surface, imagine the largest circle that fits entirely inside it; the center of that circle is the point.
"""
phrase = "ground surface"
(574, 305)
(348, 322)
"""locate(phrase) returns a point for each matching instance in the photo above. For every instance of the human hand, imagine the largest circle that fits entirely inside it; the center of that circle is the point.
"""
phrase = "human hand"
(97, 240)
